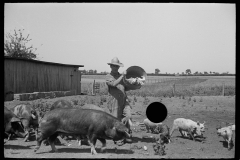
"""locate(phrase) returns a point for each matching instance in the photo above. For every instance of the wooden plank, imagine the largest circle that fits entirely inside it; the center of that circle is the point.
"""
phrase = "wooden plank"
(24, 76)
(8, 76)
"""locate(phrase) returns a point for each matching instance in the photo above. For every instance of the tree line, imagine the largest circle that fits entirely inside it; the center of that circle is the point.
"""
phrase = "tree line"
(189, 73)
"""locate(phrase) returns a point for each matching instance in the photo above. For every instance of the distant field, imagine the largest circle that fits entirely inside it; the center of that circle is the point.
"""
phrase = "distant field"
(210, 80)
(163, 85)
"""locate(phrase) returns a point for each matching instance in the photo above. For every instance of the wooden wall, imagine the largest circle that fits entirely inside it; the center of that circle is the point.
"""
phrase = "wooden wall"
(21, 76)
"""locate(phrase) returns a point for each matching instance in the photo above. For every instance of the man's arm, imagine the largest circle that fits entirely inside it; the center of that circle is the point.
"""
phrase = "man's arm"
(111, 82)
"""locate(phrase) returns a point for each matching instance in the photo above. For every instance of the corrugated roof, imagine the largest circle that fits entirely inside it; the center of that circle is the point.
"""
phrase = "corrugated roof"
(37, 61)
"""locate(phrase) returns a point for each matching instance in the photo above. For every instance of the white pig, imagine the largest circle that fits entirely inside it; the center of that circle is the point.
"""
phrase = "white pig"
(150, 125)
(188, 126)
(227, 134)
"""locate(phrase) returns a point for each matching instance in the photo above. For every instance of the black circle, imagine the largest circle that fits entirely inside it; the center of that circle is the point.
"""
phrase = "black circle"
(156, 112)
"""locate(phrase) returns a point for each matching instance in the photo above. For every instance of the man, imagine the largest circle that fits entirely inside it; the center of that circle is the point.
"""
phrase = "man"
(118, 104)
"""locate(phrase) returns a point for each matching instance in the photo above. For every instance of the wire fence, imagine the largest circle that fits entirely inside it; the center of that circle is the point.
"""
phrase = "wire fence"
(168, 87)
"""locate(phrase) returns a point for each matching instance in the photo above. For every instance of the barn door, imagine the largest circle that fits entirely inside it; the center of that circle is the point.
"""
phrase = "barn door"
(76, 81)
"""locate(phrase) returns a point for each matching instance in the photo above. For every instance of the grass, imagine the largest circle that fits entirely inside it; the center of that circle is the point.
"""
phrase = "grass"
(194, 86)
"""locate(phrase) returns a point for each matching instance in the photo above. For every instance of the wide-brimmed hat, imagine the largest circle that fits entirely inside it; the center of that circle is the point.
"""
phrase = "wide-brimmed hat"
(115, 61)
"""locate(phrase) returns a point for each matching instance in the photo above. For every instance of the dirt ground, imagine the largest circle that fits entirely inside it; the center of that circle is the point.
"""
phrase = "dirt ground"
(214, 110)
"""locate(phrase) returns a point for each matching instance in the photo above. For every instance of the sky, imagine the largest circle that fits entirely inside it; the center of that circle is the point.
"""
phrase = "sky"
(172, 37)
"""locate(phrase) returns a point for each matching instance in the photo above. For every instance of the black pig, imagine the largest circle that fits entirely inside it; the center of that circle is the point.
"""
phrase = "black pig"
(12, 124)
(93, 124)
(61, 103)
(30, 117)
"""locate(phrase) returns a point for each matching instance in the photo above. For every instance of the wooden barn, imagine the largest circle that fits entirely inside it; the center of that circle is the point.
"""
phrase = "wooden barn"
(34, 76)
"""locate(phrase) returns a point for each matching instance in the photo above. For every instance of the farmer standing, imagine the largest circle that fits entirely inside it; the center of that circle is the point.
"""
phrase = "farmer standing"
(118, 104)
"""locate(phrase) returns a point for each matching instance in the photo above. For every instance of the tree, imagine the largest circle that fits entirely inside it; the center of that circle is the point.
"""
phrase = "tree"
(226, 72)
(157, 71)
(84, 71)
(188, 71)
(205, 72)
(90, 71)
(16, 46)
(196, 73)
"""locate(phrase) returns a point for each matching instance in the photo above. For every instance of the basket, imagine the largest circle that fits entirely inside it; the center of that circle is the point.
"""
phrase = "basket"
(134, 72)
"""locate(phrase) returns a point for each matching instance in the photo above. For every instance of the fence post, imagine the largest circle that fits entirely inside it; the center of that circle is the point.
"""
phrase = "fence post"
(93, 87)
(223, 90)
(89, 88)
(173, 89)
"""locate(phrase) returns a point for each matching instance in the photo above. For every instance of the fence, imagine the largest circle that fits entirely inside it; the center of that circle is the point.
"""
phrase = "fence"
(159, 80)
(94, 87)
(168, 87)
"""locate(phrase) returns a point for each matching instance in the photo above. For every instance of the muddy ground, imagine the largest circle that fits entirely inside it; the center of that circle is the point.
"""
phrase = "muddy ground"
(213, 109)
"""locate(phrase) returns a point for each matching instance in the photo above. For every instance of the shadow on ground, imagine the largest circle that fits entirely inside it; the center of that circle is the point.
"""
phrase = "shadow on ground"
(8, 146)
(225, 144)
(145, 140)
(196, 138)
(88, 150)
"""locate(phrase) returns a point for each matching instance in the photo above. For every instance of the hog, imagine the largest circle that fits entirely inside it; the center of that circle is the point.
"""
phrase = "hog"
(91, 123)
(66, 104)
(227, 134)
(87, 106)
(92, 106)
(61, 104)
(163, 131)
(12, 124)
(232, 127)
(150, 125)
(186, 134)
(188, 126)
(30, 116)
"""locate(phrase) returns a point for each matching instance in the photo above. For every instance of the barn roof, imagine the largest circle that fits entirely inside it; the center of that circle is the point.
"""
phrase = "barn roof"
(37, 61)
